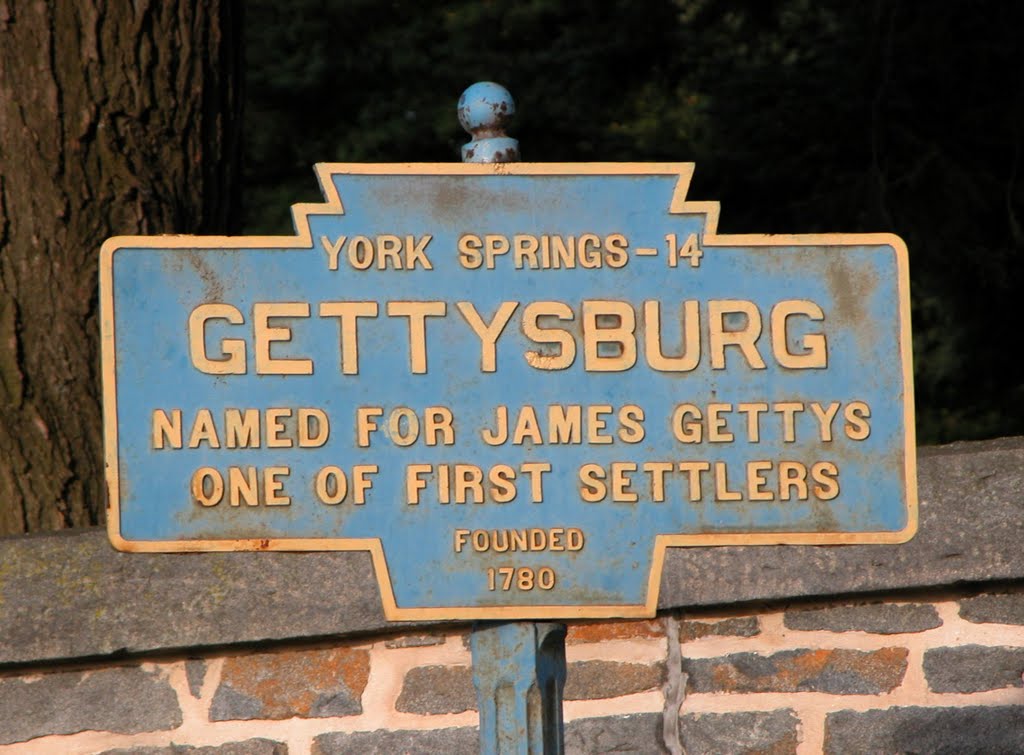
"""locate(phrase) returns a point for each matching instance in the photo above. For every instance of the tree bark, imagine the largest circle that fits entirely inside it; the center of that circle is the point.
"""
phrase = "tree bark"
(116, 117)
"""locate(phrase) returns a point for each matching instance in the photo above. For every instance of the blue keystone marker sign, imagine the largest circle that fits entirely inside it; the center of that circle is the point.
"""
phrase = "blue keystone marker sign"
(515, 385)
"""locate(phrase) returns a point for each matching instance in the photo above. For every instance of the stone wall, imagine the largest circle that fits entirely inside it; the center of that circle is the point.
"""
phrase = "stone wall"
(909, 673)
(917, 648)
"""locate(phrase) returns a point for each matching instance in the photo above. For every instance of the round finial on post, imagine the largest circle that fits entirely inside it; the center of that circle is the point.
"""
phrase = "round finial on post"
(484, 109)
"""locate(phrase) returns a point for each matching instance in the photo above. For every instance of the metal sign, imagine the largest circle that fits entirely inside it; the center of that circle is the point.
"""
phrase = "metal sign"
(515, 385)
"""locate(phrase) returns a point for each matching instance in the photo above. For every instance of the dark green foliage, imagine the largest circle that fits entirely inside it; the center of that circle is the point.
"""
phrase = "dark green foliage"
(802, 116)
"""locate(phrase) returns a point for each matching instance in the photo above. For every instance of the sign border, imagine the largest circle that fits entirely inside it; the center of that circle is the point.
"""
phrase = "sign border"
(333, 205)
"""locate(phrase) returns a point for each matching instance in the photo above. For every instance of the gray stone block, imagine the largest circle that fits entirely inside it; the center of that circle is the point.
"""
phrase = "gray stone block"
(694, 629)
(432, 690)
(772, 732)
(125, 699)
(307, 683)
(229, 704)
(937, 731)
(415, 641)
(877, 618)
(994, 608)
(456, 741)
(248, 747)
(973, 668)
(195, 672)
(635, 734)
(835, 671)
(70, 595)
(594, 680)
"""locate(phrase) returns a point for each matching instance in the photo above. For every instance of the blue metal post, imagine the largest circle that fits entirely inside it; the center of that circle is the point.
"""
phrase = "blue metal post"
(519, 673)
(518, 667)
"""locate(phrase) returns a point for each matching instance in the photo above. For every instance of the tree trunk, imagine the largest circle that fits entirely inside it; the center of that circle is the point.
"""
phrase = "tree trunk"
(116, 117)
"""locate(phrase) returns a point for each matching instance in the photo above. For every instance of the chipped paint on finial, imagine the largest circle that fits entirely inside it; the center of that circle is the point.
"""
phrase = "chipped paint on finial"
(484, 109)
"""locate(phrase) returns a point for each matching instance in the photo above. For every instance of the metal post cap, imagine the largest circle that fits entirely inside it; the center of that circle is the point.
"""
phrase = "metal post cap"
(484, 109)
